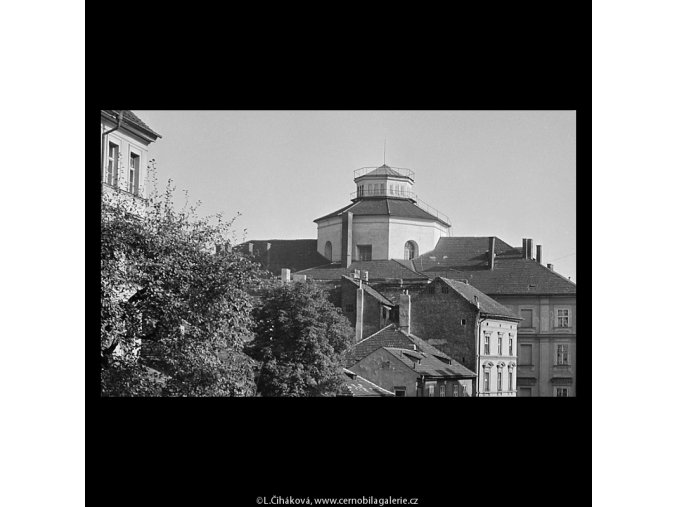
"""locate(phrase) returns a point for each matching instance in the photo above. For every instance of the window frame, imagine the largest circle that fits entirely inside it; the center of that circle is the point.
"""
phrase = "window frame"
(360, 253)
(565, 360)
(487, 344)
(568, 316)
(442, 390)
(565, 389)
(112, 163)
(531, 354)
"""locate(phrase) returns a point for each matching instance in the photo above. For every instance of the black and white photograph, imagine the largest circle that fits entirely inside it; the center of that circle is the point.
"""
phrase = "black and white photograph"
(338, 253)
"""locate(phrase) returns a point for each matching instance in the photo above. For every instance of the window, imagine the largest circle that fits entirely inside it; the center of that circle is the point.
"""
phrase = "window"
(400, 391)
(363, 252)
(112, 167)
(445, 289)
(430, 390)
(562, 318)
(525, 355)
(486, 380)
(525, 392)
(383, 189)
(443, 390)
(392, 189)
(463, 322)
(370, 189)
(562, 354)
(410, 250)
(510, 349)
(510, 378)
(499, 380)
(527, 318)
(500, 344)
(431, 289)
(454, 390)
(562, 392)
(487, 344)
(134, 165)
(327, 250)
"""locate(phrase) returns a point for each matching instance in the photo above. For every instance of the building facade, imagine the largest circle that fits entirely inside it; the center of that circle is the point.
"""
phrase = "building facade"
(124, 154)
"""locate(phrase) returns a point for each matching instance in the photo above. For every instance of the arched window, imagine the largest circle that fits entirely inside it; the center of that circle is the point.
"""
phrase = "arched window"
(370, 191)
(410, 250)
(327, 250)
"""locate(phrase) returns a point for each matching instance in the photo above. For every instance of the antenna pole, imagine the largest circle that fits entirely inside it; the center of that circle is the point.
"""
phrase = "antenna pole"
(384, 151)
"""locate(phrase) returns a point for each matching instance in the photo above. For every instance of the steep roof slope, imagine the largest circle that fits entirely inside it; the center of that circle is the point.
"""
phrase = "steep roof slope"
(429, 365)
(466, 259)
(130, 119)
(487, 305)
(392, 336)
(359, 386)
(294, 254)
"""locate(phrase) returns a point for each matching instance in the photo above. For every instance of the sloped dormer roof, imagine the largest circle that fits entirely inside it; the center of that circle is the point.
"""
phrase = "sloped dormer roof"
(131, 121)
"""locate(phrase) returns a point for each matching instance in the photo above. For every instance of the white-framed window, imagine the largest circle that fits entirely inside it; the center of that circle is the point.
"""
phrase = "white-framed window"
(134, 168)
(487, 343)
(430, 389)
(510, 345)
(499, 379)
(562, 318)
(112, 165)
(562, 354)
(410, 250)
(443, 390)
(400, 391)
(454, 390)
(487, 380)
(510, 380)
(562, 392)
(500, 344)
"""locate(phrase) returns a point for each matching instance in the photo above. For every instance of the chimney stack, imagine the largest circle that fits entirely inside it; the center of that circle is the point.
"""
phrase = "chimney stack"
(284, 275)
(539, 252)
(405, 312)
(359, 313)
(492, 247)
(524, 248)
(551, 267)
(250, 247)
(346, 239)
(530, 248)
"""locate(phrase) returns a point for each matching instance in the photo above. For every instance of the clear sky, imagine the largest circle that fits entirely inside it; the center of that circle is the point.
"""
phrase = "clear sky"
(510, 174)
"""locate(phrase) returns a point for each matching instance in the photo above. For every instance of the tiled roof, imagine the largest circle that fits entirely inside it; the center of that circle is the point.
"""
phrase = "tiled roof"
(371, 291)
(391, 336)
(359, 386)
(403, 208)
(488, 306)
(378, 270)
(465, 259)
(429, 365)
(131, 119)
(294, 254)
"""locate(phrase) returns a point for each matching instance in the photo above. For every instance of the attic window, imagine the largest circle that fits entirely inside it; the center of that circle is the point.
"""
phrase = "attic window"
(431, 289)
(445, 289)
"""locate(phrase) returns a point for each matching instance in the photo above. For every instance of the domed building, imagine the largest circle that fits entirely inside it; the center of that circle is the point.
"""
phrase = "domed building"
(385, 220)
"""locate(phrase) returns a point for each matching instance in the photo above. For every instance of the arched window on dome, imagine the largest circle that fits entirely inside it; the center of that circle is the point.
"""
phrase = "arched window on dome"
(327, 250)
(410, 250)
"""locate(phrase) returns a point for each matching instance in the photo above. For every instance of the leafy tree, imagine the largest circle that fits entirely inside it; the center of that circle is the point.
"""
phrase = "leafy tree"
(300, 341)
(170, 304)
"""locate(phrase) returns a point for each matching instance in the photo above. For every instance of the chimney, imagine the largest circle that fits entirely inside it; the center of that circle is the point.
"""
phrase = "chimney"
(477, 302)
(524, 248)
(492, 248)
(365, 276)
(539, 251)
(250, 247)
(405, 312)
(346, 239)
(551, 267)
(530, 249)
(284, 275)
(268, 247)
(359, 313)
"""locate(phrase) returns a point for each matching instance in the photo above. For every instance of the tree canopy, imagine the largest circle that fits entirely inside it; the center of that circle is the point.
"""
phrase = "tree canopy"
(300, 339)
(175, 314)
